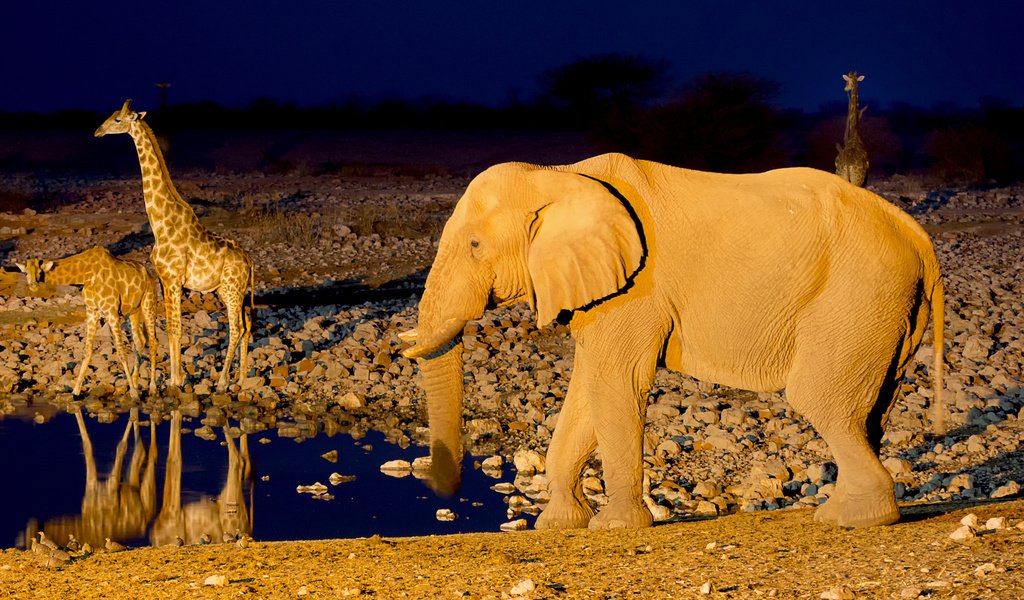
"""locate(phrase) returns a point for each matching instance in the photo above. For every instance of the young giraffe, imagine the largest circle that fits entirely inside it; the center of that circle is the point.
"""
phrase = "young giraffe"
(852, 160)
(186, 254)
(112, 289)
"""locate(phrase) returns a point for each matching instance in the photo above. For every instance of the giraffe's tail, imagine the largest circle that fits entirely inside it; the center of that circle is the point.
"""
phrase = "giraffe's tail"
(247, 312)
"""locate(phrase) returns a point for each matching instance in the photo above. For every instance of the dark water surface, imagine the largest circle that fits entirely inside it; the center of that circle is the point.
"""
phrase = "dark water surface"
(45, 484)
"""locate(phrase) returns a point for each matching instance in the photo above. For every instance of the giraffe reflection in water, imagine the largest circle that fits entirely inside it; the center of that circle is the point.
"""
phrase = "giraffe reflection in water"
(225, 515)
(114, 508)
(123, 508)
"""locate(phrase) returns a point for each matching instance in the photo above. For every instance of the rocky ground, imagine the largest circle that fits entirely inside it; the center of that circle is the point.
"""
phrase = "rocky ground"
(339, 263)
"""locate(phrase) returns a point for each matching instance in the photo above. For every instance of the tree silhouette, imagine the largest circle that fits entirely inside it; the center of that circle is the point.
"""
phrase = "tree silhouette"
(604, 87)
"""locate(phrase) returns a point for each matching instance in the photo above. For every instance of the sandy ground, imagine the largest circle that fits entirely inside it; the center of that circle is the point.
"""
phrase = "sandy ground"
(780, 554)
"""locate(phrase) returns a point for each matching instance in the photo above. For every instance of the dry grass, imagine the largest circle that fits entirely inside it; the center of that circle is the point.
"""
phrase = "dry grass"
(388, 218)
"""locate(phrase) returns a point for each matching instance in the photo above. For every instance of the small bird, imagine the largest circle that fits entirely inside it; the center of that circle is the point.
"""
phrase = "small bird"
(113, 546)
(72, 544)
(228, 538)
(87, 548)
(204, 539)
(243, 541)
(39, 548)
(47, 541)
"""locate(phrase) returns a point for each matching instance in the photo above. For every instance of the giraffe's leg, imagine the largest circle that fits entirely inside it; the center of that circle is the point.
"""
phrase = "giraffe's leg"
(149, 330)
(172, 307)
(233, 304)
(137, 343)
(115, 334)
(243, 342)
(92, 321)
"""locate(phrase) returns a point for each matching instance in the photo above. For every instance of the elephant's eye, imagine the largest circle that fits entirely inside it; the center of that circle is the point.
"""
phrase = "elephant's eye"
(474, 243)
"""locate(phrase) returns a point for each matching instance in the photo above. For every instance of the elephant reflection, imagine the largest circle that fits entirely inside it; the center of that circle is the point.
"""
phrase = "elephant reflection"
(113, 508)
(227, 514)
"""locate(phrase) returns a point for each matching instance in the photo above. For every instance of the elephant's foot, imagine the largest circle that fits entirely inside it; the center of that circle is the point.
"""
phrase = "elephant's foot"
(864, 510)
(829, 511)
(571, 514)
(633, 515)
(869, 510)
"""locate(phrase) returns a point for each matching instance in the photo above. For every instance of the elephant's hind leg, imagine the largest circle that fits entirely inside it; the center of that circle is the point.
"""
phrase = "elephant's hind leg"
(573, 443)
(847, 403)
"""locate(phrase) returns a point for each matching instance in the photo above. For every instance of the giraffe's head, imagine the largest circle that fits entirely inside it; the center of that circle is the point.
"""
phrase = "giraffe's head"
(35, 271)
(121, 121)
(851, 80)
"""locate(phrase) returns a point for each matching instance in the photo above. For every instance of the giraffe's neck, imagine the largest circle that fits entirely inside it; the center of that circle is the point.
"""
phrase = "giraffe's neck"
(852, 114)
(164, 206)
(73, 270)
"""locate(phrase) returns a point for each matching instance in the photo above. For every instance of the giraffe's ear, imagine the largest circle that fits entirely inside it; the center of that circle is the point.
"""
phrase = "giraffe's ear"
(138, 116)
(846, 78)
(47, 266)
(861, 78)
(21, 267)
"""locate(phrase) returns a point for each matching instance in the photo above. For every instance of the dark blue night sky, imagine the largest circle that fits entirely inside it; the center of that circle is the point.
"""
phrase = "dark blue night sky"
(79, 54)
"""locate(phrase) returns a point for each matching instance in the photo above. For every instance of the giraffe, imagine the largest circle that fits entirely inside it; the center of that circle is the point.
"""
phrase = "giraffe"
(112, 289)
(186, 254)
(852, 160)
(114, 507)
(228, 513)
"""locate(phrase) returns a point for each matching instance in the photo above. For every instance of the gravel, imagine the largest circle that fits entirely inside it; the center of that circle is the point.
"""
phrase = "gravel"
(337, 368)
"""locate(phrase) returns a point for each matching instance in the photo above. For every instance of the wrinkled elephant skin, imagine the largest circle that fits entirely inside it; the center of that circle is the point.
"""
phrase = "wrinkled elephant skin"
(792, 279)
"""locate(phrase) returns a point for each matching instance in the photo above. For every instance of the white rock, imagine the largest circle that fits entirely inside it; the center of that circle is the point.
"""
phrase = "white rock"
(396, 468)
(705, 508)
(515, 525)
(523, 587)
(659, 512)
(316, 489)
(351, 401)
(977, 348)
(216, 580)
(985, 569)
(897, 466)
(445, 514)
(528, 461)
(504, 487)
(1011, 488)
(707, 587)
(421, 463)
(970, 520)
(964, 532)
(996, 523)
(837, 593)
(493, 462)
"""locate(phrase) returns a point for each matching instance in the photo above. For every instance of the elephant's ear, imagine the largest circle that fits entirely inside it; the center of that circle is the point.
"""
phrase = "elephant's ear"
(584, 244)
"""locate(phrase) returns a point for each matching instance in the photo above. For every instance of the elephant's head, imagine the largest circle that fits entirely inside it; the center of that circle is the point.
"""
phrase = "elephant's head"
(521, 233)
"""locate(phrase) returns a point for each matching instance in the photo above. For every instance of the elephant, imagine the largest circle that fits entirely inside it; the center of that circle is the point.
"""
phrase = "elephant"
(789, 279)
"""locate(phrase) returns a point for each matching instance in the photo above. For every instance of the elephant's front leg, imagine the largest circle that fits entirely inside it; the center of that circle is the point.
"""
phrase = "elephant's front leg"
(573, 443)
(618, 365)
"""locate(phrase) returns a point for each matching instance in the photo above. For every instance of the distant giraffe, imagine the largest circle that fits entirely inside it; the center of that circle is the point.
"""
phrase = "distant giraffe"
(852, 160)
(112, 289)
(186, 254)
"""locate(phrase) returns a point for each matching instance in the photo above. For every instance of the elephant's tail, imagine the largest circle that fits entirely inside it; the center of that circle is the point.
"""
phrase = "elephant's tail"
(939, 343)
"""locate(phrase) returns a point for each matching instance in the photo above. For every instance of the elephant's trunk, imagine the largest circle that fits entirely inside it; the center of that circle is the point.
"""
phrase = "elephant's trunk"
(441, 378)
(451, 298)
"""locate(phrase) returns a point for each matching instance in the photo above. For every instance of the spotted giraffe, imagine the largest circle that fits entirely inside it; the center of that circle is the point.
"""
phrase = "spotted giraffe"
(112, 289)
(852, 160)
(186, 254)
